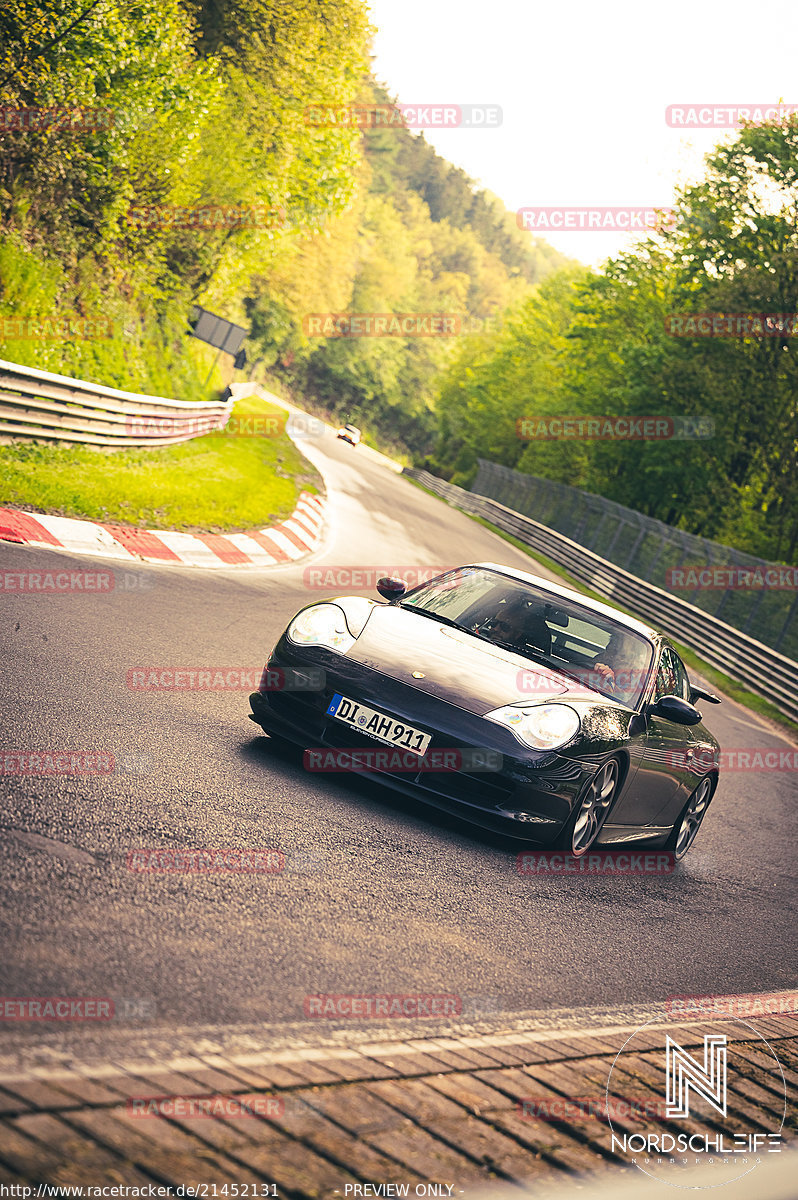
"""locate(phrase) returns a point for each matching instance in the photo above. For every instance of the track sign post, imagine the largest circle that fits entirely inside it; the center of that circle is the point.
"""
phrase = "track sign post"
(218, 332)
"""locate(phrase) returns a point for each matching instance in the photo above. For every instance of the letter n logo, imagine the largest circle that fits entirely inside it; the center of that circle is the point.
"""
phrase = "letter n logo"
(683, 1073)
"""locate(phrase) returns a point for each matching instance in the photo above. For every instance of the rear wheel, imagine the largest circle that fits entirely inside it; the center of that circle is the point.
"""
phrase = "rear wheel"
(684, 831)
(585, 823)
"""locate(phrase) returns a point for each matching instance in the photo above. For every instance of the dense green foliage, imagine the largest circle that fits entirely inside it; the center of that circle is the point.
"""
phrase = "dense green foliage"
(420, 238)
(209, 104)
(209, 101)
(601, 344)
(206, 110)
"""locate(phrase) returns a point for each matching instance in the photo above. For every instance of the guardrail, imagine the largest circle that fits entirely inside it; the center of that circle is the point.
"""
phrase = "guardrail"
(39, 406)
(764, 671)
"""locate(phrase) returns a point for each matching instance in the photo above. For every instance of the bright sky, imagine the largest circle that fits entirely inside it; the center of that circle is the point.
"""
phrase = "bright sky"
(584, 87)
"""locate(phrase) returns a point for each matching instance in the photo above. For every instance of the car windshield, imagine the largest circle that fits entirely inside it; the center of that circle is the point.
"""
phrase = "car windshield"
(604, 655)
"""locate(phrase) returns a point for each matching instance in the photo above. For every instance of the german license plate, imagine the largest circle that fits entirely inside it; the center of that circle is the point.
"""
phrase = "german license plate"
(377, 725)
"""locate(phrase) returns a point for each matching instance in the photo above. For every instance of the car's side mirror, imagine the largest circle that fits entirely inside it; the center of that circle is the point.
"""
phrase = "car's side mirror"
(698, 693)
(673, 708)
(391, 588)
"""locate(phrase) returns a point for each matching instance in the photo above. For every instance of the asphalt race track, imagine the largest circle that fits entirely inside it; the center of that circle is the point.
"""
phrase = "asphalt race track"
(380, 895)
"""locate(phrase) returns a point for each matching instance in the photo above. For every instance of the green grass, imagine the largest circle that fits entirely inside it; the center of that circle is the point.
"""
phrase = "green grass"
(213, 484)
(148, 351)
(730, 687)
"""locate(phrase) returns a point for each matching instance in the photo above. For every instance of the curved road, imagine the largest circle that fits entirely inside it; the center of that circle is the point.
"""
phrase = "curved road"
(380, 894)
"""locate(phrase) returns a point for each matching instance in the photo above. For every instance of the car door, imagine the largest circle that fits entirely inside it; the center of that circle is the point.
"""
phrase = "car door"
(661, 784)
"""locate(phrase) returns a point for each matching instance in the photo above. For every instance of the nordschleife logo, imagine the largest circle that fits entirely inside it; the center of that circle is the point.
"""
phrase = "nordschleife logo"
(683, 1072)
(717, 1102)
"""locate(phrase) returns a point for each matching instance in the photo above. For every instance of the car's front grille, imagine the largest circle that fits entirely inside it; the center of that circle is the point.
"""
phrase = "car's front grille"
(296, 708)
(308, 711)
(484, 788)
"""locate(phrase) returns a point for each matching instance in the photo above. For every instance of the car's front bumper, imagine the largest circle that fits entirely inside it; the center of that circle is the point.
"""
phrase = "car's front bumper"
(530, 795)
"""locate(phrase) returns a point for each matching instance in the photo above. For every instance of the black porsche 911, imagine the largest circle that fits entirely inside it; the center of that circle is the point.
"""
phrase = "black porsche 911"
(518, 704)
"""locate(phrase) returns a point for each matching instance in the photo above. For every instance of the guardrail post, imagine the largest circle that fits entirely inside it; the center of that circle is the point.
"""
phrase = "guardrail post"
(635, 547)
(787, 623)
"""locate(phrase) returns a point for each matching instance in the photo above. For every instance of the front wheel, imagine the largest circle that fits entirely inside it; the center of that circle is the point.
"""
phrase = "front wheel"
(585, 823)
(684, 831)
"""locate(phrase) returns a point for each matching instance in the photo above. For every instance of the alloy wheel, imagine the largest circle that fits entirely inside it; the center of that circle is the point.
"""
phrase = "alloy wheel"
(594, 807)
(692, 817)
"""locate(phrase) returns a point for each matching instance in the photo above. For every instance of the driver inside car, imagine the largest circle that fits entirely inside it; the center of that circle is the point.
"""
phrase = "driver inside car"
(623, 663)
(518, 626)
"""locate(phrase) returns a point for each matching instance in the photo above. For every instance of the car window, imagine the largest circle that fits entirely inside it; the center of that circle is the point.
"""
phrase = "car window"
(453, 595)
(583, 638)
(665, 678)
(682, 681)
(610, 659)
(672, 677)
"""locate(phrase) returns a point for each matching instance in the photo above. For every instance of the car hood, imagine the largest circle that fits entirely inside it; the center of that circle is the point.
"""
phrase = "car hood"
(457, 667)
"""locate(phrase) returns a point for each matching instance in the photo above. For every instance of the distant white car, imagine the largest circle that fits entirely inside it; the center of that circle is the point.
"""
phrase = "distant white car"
(350, 433)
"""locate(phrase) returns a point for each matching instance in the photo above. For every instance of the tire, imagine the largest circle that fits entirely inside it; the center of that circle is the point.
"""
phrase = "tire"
(692, 815)
(585, 823)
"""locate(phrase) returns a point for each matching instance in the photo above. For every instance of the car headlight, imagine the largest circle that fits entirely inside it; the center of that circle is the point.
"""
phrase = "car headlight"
(543, 727)
(322, 625)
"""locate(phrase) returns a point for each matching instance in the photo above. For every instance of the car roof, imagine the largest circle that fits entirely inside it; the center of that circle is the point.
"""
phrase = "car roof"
(569, 594)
